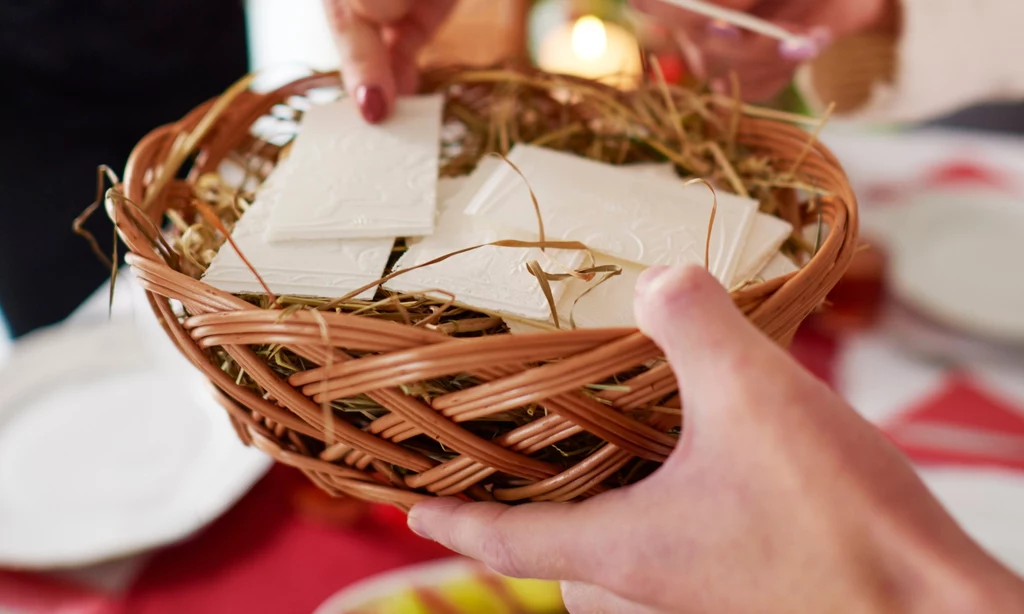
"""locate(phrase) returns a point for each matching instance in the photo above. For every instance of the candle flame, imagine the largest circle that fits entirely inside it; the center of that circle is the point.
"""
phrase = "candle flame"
(589, 38)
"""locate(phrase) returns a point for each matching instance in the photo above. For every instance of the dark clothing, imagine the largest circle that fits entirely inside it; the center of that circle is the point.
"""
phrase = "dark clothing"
(81, 81)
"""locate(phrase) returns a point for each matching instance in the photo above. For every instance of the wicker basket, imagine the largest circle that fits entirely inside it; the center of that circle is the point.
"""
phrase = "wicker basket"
(376, 358)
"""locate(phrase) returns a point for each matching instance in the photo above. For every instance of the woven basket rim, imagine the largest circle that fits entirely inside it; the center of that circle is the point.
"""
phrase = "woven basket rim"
(366, 467)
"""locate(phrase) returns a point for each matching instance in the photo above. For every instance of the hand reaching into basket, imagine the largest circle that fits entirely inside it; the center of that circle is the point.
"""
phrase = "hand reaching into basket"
(763, 66)
(778, 498)
(377, 43)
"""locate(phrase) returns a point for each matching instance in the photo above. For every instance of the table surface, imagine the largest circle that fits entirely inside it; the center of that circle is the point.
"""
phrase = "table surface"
(268, 554)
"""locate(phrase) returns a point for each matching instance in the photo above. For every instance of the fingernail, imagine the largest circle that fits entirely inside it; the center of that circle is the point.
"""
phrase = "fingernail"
(417, 525)
(722, 29)
(807, 47)
(720, 86)
(647, 278)
(822, 36)
(677, 281)
(371, 102)
(799, 49)
(665, 287)
(432, 512)
(650, 283)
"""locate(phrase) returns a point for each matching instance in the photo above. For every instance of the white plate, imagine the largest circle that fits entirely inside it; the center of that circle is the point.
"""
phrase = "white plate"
(428, 574)
(958, 257)
(104, 454)
(988, 504)
(462, 580)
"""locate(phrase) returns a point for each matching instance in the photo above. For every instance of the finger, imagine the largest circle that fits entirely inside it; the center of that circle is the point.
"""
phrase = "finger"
(693, 53)
(545, 541)
(762, 65)
(839, 19)
(714, 49)
(406, 38)
(757, 84)
(733, 47)
(746, 47)
(364, 60)
(675, 17)
(753, 81)
(723, 363)
(382, 12)
(668, 15)
(581, 598)
(742, 48)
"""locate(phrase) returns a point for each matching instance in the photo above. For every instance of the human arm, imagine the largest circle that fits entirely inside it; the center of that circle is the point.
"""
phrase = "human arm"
(878, 60)
(778, 498)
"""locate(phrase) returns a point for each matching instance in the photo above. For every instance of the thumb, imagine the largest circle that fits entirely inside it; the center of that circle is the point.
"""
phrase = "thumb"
(719, 358)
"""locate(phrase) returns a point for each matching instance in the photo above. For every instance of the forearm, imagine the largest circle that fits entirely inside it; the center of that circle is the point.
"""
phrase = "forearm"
(942, 56)
(975, 583)
(924, 563)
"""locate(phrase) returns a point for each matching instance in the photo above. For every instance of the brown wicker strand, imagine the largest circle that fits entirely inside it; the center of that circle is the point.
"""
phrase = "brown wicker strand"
(447, 406)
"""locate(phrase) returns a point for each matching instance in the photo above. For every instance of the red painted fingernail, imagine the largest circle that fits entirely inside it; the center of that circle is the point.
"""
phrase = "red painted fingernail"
(371, 102)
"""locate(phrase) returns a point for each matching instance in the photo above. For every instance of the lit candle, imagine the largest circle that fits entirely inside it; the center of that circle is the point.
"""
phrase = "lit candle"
(592, 49)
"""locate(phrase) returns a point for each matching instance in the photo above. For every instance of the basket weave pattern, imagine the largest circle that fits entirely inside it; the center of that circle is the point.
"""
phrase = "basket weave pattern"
(351, 355)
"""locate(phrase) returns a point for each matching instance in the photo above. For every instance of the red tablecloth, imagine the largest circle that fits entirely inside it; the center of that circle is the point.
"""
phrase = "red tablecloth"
(264, 555)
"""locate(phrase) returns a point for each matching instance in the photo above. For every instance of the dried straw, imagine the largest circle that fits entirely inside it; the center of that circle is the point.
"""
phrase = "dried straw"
(489, 111)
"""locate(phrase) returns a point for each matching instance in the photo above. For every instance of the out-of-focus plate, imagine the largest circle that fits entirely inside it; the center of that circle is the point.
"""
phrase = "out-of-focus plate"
(445, 586)
(958, 257)
(104, 452)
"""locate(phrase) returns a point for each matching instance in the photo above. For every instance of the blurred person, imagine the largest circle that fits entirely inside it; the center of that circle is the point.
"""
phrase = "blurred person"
(878, 60)
(83, 81)
(779, 497)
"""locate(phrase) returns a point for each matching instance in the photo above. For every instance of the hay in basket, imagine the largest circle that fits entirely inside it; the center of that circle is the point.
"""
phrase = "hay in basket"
(405, 397)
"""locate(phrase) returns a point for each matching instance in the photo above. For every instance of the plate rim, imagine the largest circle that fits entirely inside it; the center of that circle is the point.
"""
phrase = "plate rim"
(909, 293)
(126, 334)
(364, 591)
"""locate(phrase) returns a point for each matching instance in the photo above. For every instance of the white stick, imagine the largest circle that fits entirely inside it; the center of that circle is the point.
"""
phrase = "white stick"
(740, 20)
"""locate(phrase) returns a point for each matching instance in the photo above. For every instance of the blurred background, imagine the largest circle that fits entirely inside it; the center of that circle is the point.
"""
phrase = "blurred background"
(107, 506)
